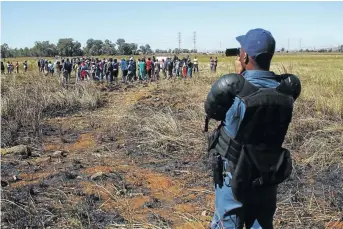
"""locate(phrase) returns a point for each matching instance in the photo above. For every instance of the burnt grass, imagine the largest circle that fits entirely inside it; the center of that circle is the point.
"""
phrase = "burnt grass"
(58, 198)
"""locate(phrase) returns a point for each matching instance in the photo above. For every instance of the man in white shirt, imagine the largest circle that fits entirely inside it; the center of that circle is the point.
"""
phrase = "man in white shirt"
(196, 64)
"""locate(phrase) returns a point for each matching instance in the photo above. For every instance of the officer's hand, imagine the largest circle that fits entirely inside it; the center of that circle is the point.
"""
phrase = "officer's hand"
(238, 66)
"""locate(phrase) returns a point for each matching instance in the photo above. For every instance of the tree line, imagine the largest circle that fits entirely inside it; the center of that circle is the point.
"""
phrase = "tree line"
(70, 47)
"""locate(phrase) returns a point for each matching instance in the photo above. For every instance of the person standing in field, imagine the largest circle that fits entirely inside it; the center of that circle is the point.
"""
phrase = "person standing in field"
(17, 67)
(46, 68)
(58, 68)
(177, 67)
(189, 69)
(123, 68)
(170, 68)
(164, 68)
(254, 107)
(130, 71)
(25, 66)
(51, 68)
(196, 68)
(215, 64)
(184, 69)
(134, 69)
(67, 70)
(211, 64)
(38, 62)
(139, 76)
(97, 70)
(156, 70)
(115, 70)
(149, 67)
(76, 70)
(2, 68)
(110, 71)
(142, 70)
(41, 65)
(9, 67)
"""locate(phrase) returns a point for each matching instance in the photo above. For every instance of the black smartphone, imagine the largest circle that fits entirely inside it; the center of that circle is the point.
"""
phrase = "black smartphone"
(232, 52)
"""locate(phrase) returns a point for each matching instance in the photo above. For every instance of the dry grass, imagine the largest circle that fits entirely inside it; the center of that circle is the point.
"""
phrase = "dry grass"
(27, 100)
(163, 124)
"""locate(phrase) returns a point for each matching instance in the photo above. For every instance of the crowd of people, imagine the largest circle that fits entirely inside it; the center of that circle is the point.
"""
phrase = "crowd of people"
(10, 67)
(143, 70)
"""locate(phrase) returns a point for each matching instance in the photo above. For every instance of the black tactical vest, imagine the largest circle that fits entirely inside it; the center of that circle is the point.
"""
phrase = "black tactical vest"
(268, 112)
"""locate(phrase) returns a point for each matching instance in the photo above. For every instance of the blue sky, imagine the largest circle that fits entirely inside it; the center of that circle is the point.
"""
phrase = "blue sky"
(317, 24)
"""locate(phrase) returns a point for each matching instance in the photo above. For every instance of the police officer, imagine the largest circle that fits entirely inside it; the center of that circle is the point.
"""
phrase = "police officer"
(255, 108)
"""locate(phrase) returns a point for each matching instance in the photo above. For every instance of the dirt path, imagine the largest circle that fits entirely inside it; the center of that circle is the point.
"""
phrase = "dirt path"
(97, 183)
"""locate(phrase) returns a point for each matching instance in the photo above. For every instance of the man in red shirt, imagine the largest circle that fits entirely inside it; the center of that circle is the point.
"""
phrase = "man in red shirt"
(148, 67)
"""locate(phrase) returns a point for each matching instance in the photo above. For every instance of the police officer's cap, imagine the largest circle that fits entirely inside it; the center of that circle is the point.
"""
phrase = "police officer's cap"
(257, 41)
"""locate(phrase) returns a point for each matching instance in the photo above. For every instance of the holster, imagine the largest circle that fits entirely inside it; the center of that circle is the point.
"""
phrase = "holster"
(217, 162)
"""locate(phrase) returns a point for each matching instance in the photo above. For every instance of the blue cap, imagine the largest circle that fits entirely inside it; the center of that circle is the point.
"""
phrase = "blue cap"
(256, 42)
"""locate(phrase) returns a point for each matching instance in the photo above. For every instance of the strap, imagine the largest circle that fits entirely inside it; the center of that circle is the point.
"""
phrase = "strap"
(248, 88)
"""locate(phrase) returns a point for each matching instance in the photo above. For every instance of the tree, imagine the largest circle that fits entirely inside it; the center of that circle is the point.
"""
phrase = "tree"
(127, 49)
(133, 47)
(148, 49)
(68, 47)
(283, 49)
(142, 49)
(96, 48)
(108, 48)
(4, 50)
(120, 43)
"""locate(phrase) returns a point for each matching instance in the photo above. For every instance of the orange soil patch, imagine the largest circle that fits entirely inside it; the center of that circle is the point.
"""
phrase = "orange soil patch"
(189, 208)
(23, 183)
(93, 170)
(33, 176)
(162, 187)
(29, 178)
(103, 192)
(334, 225)
(193, 225)
(85, 141)
(52, 147)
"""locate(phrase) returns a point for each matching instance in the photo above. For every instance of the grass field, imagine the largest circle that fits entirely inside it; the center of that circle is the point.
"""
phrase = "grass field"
(134, 156)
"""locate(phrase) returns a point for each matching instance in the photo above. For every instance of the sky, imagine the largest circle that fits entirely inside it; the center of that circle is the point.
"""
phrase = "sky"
(217, 24)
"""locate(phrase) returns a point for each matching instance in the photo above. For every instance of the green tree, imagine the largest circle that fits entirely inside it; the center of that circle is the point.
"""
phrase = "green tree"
(4, 50)
(68, 47)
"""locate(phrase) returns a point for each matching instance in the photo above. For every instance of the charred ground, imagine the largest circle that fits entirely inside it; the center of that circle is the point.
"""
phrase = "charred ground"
(139, 160)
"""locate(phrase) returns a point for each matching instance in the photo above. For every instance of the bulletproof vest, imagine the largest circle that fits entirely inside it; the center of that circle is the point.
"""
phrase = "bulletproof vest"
(268, 113)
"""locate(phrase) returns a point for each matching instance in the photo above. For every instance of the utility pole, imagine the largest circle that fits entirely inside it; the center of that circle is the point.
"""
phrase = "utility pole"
(288, 45)
(194, 40)
(179, 40)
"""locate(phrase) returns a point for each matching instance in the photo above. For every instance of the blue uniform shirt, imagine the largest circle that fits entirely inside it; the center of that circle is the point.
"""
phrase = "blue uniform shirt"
(234, 116)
